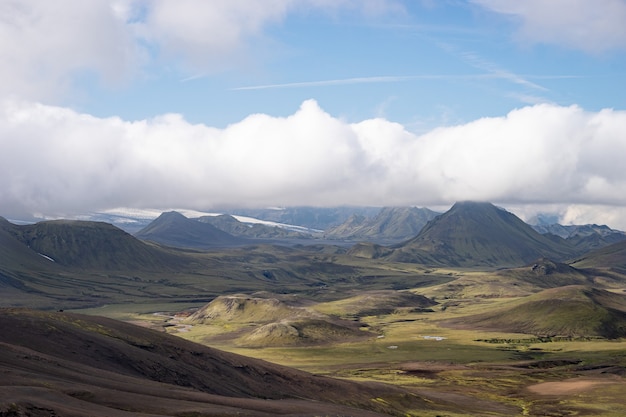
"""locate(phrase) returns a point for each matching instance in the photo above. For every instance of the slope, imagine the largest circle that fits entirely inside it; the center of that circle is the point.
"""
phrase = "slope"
(612, 257)
(474, 234)
(263, 322)
(73, 365)
(571, 311)
(93, 245)
(174, 229)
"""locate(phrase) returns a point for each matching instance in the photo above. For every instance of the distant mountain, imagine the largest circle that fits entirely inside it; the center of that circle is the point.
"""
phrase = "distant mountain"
(583, 237)
(174, 229)
(231, 225)
(571, 311)
(391, 223)
(476, 234)
(64, 364)
(80, 244)
(318, 218)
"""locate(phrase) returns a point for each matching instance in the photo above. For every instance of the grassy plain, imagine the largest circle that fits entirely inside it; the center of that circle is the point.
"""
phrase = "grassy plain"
(461, 371)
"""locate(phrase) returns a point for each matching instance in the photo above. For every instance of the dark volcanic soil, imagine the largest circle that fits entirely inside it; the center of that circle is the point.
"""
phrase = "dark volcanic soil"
(62, 364)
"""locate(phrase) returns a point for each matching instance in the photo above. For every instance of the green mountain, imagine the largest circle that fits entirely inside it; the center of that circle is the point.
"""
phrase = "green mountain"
(391, 223)
(174, 229)
(63, 364)
(80, 244)
(474, 234)
(571, 311)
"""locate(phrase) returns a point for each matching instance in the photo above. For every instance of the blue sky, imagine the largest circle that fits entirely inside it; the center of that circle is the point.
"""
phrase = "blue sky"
(214, 104)
(422, 64)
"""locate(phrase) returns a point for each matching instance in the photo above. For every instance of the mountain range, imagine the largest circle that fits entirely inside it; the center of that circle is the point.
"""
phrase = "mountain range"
(81, 263)
(284, 291)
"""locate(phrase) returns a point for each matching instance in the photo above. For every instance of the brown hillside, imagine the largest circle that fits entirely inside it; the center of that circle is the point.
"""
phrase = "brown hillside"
(73, 365)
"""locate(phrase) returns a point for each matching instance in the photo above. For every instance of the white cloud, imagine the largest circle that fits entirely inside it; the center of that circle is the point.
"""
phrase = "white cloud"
(57, 161)
(47, 46)
(44, 45)
(593, 26)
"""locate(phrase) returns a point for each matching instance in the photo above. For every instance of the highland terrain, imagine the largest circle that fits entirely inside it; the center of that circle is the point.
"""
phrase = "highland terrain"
(372, 312)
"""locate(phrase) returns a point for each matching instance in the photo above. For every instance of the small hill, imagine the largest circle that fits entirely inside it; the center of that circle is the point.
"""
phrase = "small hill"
(571, 311)
(174, 229)
(545, 273)
(302, 332)
(368, 250)
(376, 302)
(63, 364)
(275, 322)
(243, 308)
(475, 234)
(391, 223)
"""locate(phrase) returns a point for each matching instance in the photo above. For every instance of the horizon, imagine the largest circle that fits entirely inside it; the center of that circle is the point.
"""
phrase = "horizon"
(131, 215)
(202, 105)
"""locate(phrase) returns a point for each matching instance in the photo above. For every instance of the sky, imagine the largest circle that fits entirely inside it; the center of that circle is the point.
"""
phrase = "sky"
(217, 104)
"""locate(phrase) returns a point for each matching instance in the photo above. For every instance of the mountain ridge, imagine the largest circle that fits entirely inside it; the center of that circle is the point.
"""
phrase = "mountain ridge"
(473, 234)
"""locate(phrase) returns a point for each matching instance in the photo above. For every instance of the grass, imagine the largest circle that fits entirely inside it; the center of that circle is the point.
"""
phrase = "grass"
(461, 368)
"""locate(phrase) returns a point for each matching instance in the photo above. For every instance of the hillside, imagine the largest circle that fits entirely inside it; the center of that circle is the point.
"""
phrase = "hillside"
(391, 223)
(174, 229)
(376, 302)
(81, 244)
(264, 322)
(66, 364)
(570, 311)
(612, 257)
(545, 273)
(243, 308)
(474, 234)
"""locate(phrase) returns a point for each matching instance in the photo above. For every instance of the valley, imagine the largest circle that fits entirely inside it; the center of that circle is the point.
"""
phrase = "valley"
(478, 314)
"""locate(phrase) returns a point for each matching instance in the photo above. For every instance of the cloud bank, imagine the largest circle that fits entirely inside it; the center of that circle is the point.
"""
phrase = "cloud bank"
(57, 161)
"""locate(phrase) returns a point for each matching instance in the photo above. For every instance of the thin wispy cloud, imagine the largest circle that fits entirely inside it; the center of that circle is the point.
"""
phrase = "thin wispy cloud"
(492, 74)
(341, 81)
(479, 62)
